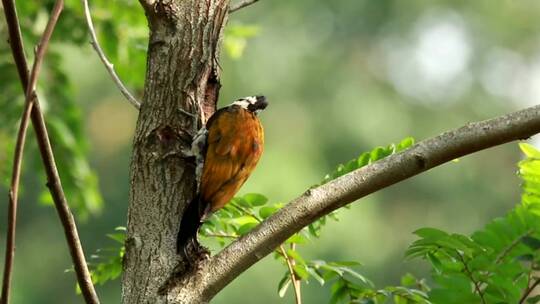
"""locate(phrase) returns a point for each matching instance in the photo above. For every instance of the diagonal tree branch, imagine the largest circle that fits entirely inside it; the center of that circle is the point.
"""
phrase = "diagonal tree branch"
(221, 269)
(19, 148)
(53, 179)
(108, 65)
(528, 291)
(240, 5)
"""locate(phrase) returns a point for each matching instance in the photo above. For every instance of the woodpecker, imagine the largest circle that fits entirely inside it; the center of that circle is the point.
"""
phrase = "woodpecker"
(226, 152)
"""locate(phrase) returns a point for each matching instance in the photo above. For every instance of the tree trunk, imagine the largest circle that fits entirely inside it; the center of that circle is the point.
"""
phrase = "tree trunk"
(182, 76)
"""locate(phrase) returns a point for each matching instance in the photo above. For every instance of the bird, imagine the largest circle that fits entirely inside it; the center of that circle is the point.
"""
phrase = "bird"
(226, 150)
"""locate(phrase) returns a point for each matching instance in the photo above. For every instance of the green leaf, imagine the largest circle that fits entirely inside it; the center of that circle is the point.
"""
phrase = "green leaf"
(255, 199)
(345, 263)
(301, 271)
(315, 274)
(119, 237)
(236, 36)
(296, 256)
(435, 262)
(405, 144)
(297, 238)
(339, 291)
(534, 300)
(358, 276)
(363, 159)
(378, 153)
(267, 211)
(240, 201)
(245, 228)
(283, 285)
(408, 280)
(430, 233)
(529, 150)
(241, 220)
(531, 242)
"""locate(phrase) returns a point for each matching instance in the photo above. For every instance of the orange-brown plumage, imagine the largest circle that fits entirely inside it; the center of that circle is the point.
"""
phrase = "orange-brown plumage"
(234, 146)
(229, 147)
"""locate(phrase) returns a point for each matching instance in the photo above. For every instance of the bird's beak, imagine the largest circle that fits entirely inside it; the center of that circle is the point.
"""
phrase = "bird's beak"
(261, 103)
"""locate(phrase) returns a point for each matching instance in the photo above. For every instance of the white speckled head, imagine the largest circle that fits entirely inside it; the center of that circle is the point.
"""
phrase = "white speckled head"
(254, 104)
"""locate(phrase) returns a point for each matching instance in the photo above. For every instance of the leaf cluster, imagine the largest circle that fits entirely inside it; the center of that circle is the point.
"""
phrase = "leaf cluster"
(497, 264)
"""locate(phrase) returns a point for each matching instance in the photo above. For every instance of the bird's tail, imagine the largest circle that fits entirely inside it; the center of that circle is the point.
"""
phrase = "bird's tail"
(189, 226)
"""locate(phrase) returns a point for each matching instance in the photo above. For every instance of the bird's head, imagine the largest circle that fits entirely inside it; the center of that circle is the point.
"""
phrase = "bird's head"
(253, 104)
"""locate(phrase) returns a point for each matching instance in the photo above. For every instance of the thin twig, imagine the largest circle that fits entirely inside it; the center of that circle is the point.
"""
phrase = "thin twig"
(12, 205)
(528, 291)
(19, 148)
(470, 275)
(510, 247)
(290, 261)
(108, 65)
(42, 137)
(247, 212)
(295, 282)
(240, 5)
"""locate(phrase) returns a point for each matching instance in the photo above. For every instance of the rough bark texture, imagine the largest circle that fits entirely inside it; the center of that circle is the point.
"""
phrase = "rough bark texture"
(182, 76)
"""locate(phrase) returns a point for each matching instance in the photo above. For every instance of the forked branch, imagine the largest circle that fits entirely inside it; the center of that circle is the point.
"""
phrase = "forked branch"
(42, 137)
(19, 148)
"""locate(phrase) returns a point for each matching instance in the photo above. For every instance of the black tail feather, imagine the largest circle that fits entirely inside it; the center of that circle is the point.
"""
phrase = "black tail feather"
(191, 221)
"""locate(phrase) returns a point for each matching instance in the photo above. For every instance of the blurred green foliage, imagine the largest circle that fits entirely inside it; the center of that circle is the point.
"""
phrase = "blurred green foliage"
(63, 115)
(342, 77)
(236, 37)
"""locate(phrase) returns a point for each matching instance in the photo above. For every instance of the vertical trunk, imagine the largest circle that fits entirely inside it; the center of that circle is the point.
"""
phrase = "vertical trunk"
(182, 76)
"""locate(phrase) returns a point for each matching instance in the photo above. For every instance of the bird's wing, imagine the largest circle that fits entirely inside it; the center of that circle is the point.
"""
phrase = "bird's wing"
(230, 157)
(221, 161)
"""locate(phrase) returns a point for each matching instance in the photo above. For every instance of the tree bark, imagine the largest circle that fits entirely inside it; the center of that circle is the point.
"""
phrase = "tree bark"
(182, 76)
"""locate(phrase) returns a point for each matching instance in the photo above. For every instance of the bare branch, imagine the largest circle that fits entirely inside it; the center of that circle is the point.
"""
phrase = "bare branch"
(316, 202)
(12, 205)
(108, 65)
(54, 184)
(19, 148)
(240, 5)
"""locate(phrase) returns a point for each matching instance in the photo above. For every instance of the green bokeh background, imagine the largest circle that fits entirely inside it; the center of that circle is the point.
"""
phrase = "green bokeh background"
(342, 77)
